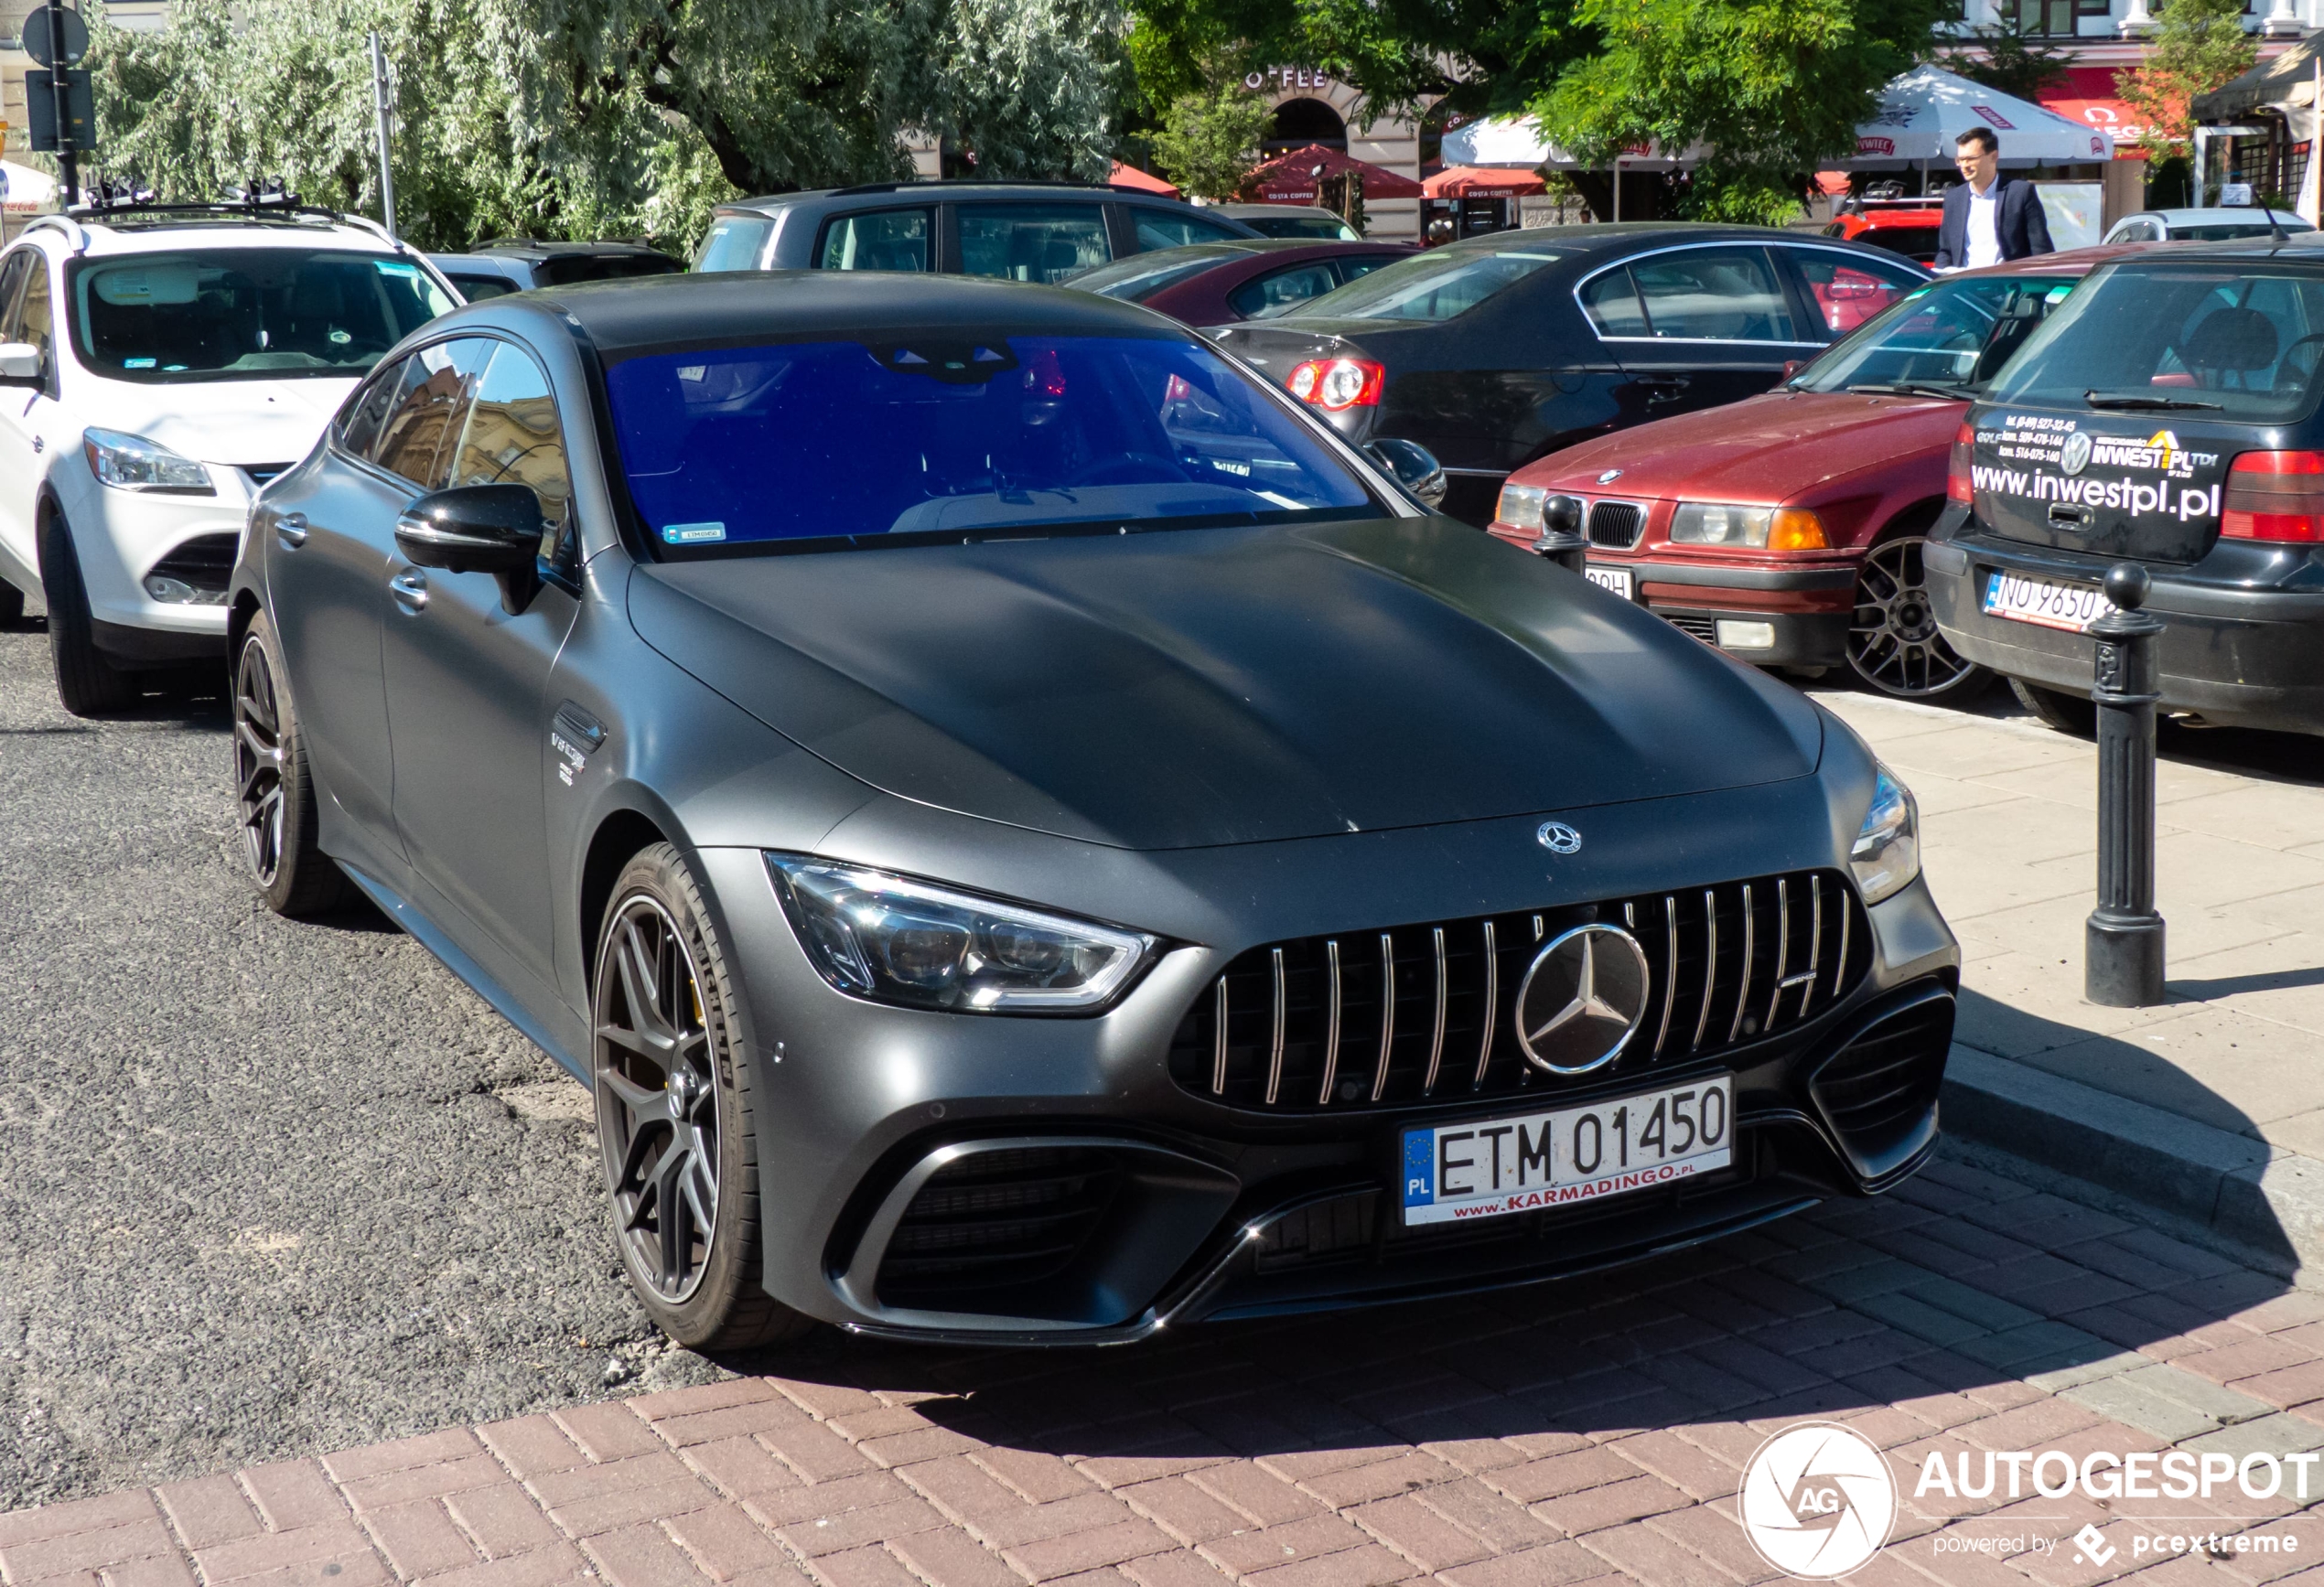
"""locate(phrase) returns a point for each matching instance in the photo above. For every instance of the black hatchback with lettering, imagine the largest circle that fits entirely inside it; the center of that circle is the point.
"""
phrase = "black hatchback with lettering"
(2166, 415)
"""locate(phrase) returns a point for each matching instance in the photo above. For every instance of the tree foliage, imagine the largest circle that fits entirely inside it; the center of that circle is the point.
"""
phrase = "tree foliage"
(2014, 60)
(1209, 141)
(2200, 44)
(602, 117)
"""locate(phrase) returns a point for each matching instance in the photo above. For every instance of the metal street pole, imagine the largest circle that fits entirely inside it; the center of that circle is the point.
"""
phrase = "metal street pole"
(61, 91)
(2123, 942)
(379, 101)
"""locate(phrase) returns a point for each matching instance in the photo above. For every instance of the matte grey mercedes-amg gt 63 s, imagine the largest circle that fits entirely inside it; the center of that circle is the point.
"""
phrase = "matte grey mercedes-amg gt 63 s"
(1031, 838)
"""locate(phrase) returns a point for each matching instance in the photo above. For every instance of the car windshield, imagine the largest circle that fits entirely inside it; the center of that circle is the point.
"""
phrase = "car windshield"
(1142, 275)
(2241, 338)
(1938, 336)
(1430, 286)
(1330, 226)
(247, 313)
(953, 437)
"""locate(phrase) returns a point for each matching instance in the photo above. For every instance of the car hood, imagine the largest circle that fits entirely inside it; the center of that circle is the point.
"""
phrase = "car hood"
(236, 423)
(1201, 686)
(1770, 448)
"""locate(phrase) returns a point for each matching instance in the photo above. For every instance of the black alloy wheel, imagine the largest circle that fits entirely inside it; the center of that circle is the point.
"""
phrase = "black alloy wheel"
(274, 792)
(1893, 642)
(673, 1108)
(258, 762)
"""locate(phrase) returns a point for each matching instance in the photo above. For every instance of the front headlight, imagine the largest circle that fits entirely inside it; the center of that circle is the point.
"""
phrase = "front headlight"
(896, 940)
(1758, 528)
(1886, 855)
(133, 463)
(1520, 506)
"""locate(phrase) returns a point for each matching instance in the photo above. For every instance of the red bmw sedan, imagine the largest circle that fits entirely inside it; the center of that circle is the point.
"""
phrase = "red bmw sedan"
(1787, 528)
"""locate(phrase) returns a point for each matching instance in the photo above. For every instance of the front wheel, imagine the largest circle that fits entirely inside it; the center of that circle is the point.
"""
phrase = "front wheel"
(1893, 643)
(274, 792)
(674, 1115)
(88, 684)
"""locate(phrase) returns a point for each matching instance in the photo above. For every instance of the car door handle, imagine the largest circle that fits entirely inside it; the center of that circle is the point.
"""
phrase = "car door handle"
(410, 590)
(290, 527)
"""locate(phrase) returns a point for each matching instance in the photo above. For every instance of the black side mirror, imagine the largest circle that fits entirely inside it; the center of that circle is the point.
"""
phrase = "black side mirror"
(1412, 466)
(490, 528)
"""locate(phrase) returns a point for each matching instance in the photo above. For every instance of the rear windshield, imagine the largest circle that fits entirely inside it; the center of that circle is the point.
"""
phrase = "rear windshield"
(1941, 337)
(1430, 286)
(2242, 338)
(2233, 231)
(1324, 226)
(247, 313)
(1142, 275)
(950, 439)
(571, 269)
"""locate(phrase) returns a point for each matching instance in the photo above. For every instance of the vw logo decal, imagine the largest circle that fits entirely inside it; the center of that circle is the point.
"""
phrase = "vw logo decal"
(1583, 996)
(1610, 476)
(2074, 456)
(1558, 838)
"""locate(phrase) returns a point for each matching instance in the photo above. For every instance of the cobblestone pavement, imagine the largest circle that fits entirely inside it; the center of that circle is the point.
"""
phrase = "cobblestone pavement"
(1591, 1431)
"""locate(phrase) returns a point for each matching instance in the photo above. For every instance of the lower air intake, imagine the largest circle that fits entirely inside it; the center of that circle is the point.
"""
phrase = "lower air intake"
(997, 1220)
(1880, 1092)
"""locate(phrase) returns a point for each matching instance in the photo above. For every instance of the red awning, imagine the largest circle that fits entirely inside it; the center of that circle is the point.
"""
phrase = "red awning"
(1292, 177)
(1123, 176)
(1472, 182)
(2085, 95)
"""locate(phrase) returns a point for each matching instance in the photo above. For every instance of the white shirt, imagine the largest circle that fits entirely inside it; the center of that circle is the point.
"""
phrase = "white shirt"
(1983, 238)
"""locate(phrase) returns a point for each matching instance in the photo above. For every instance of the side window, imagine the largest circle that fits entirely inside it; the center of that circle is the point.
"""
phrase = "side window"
(1350, 268)
(12, 274)
(1160, 229)
(430, 401)
(734, 242)
(1713, 295)
(513, 437)
(877, 239)
(1611, 303)
(1283, 291)
(359, 421)
(1044, 242)
(1847, 292)
(32, 320)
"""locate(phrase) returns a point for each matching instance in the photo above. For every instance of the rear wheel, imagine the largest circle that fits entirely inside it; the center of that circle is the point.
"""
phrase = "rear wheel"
(87, 683)
(274, 792)
(675, 1117)
(2067, 713)
(1893, 643)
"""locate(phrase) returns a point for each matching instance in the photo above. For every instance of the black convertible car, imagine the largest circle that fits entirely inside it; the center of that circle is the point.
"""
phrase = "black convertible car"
(1496, 350)
(1032, 838)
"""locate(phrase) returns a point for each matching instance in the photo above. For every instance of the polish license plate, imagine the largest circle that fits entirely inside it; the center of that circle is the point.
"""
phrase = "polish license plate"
(2048, 602)
(1615, 579)
(1492, 1167)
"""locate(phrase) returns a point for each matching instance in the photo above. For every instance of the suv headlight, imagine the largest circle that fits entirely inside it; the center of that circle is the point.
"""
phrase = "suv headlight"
(1886, 855)
(893, 940)
(133, 463)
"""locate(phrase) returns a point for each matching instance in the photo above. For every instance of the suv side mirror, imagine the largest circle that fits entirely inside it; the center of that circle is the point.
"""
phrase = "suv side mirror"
(492, 529)
(19, 364)
(1412, 466)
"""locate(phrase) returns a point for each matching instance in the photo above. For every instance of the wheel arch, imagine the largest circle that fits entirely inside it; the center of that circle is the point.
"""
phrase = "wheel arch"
(618, 839)
(1913, 517)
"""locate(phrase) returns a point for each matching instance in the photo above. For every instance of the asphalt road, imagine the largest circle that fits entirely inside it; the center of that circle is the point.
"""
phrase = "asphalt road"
(266, 1188)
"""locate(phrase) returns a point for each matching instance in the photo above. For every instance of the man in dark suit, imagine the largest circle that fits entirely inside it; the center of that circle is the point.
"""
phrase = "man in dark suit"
(1989, 217)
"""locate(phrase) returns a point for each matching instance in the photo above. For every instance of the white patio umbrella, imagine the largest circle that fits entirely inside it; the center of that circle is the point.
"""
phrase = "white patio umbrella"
(1925, 110)
(30, 192)
(1516, 143)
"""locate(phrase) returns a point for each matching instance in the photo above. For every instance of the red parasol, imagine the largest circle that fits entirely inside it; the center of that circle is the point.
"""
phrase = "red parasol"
(1292, 177)
(1471, 182)
(1123, 176)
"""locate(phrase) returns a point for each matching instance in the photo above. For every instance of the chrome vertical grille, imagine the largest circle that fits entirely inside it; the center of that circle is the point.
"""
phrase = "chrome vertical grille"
(1424, 1012)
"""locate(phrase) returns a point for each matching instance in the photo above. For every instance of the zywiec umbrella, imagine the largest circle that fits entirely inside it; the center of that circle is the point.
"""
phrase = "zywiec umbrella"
(30, 192)
(1469, 182)
(1923, 114)
(1298, 176)
(1122, 176)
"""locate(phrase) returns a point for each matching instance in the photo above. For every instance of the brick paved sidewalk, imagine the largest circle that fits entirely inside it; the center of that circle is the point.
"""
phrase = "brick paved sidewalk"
(1591, 1431)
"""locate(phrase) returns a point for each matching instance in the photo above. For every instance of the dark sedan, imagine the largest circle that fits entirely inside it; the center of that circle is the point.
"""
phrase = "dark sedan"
(1218, 282)
(1496, 350)
(1033, 839)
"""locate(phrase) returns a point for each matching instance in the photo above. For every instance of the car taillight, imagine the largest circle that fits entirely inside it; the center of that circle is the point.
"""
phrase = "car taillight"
(1959, 486)
(1338, 384)
(2275, 496)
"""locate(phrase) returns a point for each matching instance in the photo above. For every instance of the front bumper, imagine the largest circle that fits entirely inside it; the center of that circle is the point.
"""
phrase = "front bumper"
(121, 535)
(1220, 1210)
(2233, 654)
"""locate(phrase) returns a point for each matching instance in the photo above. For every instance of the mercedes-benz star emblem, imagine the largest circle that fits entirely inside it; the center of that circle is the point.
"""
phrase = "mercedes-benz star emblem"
(2073, 456)
(1610, 476)
(1558, 838)
(1581, 999)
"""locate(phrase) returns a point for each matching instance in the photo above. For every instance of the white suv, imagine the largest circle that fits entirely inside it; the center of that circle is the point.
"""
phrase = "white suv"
(157, 367)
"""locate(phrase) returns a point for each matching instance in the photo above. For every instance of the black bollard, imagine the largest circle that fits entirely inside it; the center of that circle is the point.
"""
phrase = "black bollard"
(1561, 540)
(2123, 965)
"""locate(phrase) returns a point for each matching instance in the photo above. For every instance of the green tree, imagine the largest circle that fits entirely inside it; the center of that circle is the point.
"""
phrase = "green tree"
(1210, 140)
(2199, 46)
(2014, 61)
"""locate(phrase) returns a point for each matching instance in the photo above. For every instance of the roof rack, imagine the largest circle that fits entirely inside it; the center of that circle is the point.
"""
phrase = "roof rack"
(72, 229)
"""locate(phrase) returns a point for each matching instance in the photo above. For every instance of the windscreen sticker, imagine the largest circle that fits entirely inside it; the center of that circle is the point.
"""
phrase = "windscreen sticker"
(691, 533)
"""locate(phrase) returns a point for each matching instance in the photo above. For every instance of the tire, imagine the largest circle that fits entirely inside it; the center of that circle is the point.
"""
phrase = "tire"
(274, 789)
(2066, 712)
(1893, 644)
(87, 684)
(676, 1116)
